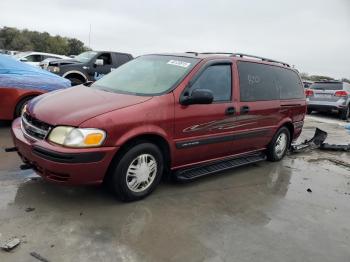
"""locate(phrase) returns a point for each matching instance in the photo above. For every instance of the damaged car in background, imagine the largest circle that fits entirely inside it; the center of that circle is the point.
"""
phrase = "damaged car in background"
(20, 82)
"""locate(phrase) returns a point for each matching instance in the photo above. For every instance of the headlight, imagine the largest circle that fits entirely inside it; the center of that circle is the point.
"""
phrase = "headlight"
(77, 137)
(54, 69)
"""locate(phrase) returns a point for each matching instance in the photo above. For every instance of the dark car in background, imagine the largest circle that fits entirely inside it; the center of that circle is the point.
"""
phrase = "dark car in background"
(88, 66)
(329, 96)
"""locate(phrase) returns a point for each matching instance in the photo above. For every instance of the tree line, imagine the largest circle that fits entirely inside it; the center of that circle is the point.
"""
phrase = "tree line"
(25, 40)
(313, 78)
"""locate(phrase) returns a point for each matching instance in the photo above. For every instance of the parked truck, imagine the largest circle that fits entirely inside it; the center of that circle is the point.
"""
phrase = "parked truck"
(88, 66)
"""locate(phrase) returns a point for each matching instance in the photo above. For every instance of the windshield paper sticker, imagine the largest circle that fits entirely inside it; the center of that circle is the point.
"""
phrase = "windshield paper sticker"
(179, 63)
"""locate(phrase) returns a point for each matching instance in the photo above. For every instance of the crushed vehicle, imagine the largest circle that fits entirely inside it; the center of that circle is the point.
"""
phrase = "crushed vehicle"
(88, 66)
(186, 115)
(20, 82)
(328, 96)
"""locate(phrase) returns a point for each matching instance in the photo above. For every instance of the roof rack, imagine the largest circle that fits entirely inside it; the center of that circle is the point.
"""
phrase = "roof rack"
(259, 57)
(241, 55)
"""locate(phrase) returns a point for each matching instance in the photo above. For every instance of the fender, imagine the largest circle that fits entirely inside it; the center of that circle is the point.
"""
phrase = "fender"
(146, 130)
(11, 97)
(75, 72)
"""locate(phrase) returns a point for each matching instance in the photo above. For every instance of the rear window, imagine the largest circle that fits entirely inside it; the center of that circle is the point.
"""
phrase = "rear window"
(327, 86)
(259, 82)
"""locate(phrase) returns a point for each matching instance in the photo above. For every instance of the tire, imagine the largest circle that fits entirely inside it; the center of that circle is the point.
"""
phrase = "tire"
(20, 105)
(143, 157)
(276, 151)
(309, 111)
(75, 81)
(344, 115)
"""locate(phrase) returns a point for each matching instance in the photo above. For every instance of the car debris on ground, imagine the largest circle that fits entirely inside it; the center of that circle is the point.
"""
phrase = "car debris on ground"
(38, 257)
(317, 142)
(11, 244)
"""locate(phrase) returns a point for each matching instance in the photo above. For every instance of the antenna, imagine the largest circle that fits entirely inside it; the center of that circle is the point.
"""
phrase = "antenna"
(90, 37)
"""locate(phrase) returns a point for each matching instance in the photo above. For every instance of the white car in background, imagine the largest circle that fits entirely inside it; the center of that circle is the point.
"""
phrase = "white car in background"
(34, 58)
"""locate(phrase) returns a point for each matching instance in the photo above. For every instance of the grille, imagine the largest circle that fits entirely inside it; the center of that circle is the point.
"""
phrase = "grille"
(33, 127)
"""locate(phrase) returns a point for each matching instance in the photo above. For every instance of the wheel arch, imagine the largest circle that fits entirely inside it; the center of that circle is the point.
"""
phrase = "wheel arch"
(154, 138)
(75, 73)
(288, 124)
(23, 97)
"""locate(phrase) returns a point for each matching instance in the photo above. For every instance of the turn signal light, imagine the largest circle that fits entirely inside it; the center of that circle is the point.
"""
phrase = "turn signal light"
(341, 93)
(93, 139)
(309, 92)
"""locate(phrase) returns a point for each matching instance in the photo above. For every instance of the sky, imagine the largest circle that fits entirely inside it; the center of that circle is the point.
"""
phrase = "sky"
(313, 35)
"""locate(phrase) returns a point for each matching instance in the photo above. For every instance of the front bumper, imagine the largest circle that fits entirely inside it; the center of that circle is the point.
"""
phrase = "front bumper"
(63, 165)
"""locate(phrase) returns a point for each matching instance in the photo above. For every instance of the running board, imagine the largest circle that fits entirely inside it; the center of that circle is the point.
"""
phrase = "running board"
(192, 173)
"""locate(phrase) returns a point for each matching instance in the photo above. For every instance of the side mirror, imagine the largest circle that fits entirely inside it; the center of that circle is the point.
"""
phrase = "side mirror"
(23, 59)
(198, 96)
(99, 62)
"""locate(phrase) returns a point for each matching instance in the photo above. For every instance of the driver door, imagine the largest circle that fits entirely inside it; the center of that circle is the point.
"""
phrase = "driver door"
(202, 132)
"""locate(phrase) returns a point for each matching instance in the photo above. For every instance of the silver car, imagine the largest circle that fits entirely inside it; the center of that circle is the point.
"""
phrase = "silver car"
(327, 96)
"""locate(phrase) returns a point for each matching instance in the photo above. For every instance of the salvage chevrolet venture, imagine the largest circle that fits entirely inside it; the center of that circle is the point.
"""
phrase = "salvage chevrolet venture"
(185, 115)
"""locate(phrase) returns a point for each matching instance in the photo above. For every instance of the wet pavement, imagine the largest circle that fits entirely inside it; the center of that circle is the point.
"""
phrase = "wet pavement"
(262, 212)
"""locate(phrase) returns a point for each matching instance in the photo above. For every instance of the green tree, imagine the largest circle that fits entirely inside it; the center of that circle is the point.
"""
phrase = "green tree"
(76, 46)
(26, 40)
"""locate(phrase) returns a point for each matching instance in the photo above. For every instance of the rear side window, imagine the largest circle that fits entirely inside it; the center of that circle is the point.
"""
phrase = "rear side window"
(259, 82)
(122, 58)
(216, 78)
(327, 86)
(289, 83)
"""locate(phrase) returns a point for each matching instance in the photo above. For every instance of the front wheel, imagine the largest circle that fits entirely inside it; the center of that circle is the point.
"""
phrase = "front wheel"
(138, 172)
(279, 144)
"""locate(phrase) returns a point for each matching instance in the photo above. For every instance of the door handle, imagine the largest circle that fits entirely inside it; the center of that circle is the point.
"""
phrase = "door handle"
(244, 109)
(230, 111)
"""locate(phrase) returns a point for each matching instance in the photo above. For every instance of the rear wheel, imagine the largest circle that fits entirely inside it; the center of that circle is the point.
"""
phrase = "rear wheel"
(20, 106)
(279, 144)
(345, 114)
(138, 172)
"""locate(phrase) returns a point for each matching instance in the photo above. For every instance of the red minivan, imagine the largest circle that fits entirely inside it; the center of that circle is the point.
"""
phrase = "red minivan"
(187, 115)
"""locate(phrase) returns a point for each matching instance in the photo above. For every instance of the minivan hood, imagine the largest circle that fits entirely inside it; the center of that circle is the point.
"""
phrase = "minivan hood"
(75, 105)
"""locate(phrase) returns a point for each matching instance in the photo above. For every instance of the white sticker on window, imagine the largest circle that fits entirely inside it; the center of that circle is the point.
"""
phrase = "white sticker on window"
(179, 63)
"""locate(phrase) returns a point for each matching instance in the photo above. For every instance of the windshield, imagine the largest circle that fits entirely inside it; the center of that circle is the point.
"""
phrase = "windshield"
(327, 86)
(147, 75)
(85, 57)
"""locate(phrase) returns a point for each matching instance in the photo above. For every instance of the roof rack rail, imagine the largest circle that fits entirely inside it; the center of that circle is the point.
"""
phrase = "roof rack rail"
(216, 53)
(261, 58)
(191, 52)
(240, 55)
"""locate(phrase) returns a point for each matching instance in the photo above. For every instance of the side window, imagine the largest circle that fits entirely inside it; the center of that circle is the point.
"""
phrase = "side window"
(106, 57)
(34, 58)
(289, 84)
(257, 82)
(216, 78)
(122, 59)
